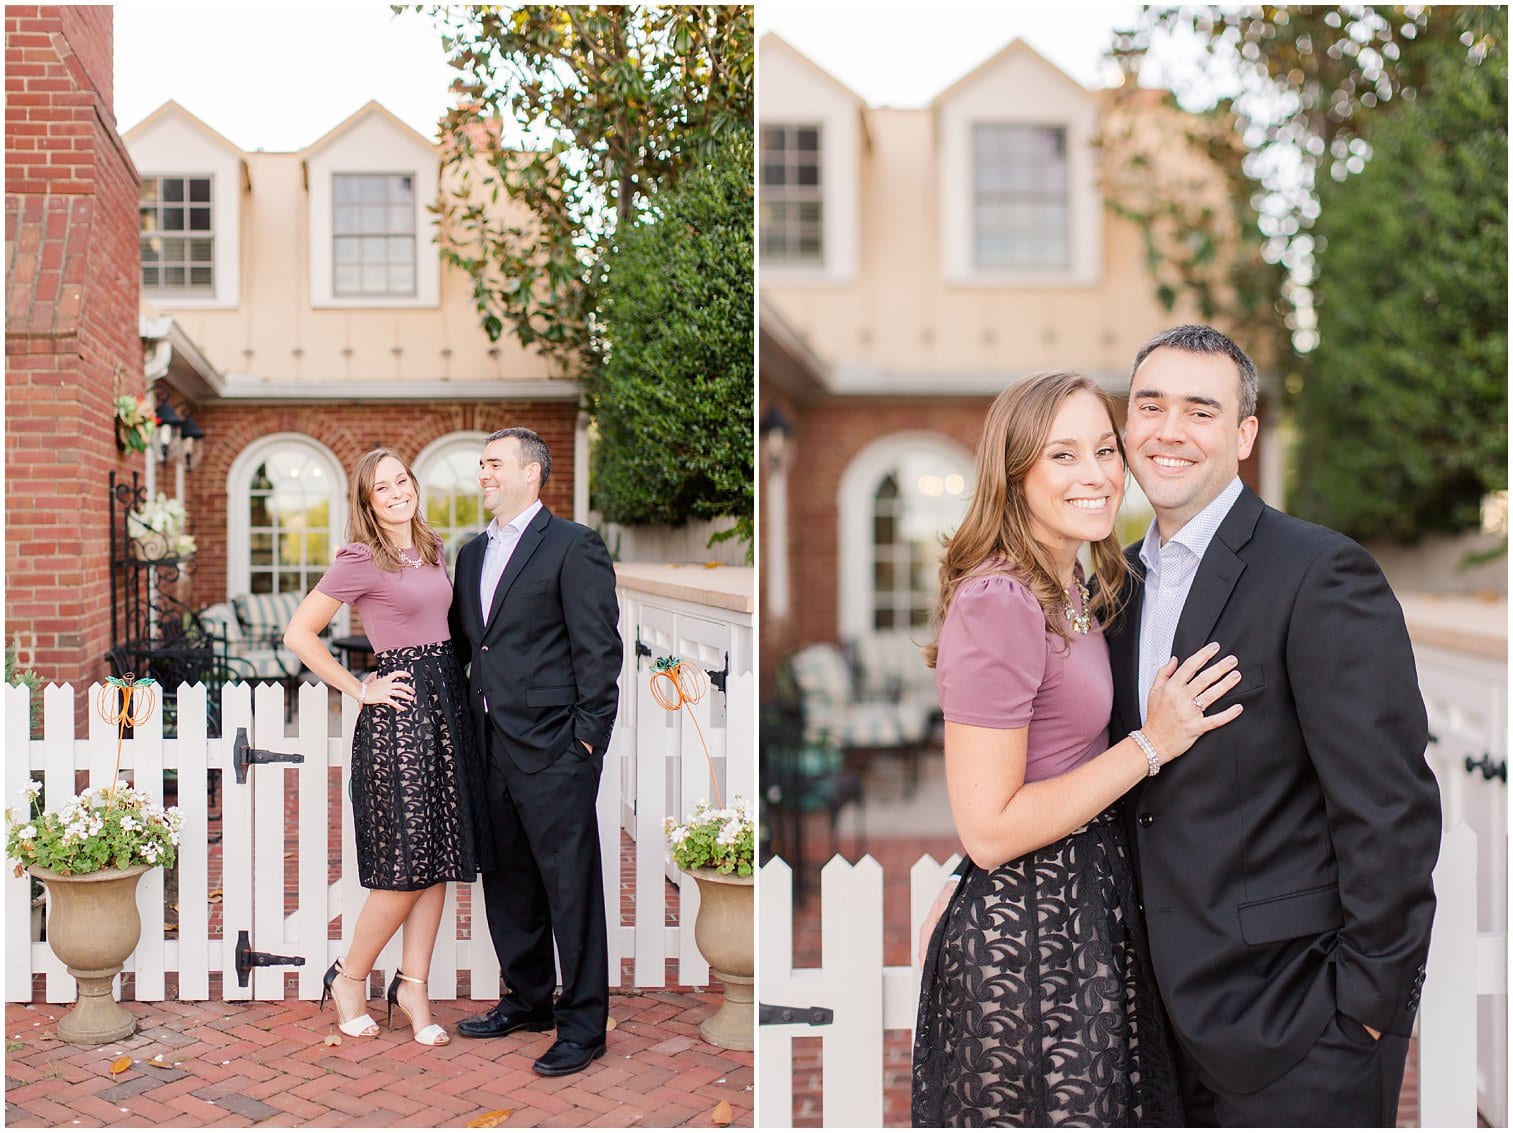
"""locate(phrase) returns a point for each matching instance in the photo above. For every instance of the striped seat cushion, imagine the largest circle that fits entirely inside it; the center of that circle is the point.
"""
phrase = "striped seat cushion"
(264, 617)
(890, 664)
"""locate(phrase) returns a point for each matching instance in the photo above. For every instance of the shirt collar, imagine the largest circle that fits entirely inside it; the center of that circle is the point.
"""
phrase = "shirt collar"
(1198, 532)
(495, 532)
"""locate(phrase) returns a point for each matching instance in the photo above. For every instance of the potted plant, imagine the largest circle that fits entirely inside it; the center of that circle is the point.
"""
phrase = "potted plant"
(136, 420)
(716, 846)
(157, 530)
(90, 853)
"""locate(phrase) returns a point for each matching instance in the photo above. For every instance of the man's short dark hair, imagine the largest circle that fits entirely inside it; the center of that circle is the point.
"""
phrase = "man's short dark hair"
(1194, 339)
(533, 449)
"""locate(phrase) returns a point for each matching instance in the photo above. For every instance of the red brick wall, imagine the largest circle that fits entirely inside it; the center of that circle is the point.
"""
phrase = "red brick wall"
(349, 430)
(71, 340)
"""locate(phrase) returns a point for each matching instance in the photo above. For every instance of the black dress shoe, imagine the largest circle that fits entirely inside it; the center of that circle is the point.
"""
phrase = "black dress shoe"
(566, 1057)
(501, 1020)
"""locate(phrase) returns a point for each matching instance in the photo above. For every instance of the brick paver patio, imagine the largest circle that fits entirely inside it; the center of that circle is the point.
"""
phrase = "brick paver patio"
(267, 1064)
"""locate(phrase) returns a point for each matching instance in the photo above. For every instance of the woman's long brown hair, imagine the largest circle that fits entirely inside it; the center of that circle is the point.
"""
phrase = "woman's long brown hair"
(362, 521)
(997, 523)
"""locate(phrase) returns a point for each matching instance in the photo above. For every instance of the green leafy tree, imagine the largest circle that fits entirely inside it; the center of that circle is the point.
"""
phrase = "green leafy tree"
(1402, 414)
(674, 406)
(1276, 95)
(620, 102)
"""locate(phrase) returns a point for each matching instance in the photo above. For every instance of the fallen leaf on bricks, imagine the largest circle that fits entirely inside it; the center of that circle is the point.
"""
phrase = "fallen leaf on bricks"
(723, 1114)
(215, 897)
(120, 1064)
(332, 1040)
(489, 1120)
(610, 1026)
(171, 927)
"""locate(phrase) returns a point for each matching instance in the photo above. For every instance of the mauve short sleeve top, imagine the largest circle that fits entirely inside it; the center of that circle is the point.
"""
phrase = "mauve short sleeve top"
(998, 666)
(400, 608)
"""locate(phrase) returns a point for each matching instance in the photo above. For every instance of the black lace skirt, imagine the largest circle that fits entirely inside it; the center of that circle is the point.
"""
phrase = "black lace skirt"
(417, 779)
(1037, 1006)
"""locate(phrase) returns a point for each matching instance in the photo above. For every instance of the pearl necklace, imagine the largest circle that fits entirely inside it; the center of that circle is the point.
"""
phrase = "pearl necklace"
(1082, 622)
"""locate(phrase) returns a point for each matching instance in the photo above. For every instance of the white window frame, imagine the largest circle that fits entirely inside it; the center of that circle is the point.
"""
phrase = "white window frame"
(793, 91)
(792, 193)
(167, 295)
(239, 492)
(1020, 93)
(1008, 198)
(409, 234)
(854, 506)
(441, 447)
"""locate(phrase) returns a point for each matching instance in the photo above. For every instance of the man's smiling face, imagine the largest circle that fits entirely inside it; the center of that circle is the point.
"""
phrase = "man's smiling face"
(1183, 435)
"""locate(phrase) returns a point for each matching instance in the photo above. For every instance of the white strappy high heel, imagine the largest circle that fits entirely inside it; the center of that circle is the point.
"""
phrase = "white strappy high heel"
(432, 1035)
(359, 1026)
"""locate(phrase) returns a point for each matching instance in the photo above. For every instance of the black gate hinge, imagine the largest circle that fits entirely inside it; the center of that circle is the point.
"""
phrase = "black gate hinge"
(773, 1015)
(243, 755)
(246, 959)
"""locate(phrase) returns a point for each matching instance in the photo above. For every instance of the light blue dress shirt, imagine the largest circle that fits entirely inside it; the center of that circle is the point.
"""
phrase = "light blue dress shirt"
(1169, 574)
(496, 556)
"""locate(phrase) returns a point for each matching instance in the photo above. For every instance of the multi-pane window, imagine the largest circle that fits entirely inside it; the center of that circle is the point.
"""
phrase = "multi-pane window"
(1021, 200)
(374, 230)
(918, 501)
(178, 236)
(290, 507)
(450, 494)
(792, 195)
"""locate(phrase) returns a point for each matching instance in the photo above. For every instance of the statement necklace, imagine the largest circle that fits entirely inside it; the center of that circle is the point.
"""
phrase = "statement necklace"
(1082, 622)
(419, 561)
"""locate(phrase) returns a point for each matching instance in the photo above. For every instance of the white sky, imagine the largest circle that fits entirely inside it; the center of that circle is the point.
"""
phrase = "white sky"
(277, 75)
(903, 55)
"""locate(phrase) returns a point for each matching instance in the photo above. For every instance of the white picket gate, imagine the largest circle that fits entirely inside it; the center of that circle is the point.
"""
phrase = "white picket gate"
(868, 998)
(254, 864)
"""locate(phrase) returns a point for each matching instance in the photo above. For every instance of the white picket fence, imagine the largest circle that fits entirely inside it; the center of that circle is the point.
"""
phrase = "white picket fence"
(869, 998)
(254, 865)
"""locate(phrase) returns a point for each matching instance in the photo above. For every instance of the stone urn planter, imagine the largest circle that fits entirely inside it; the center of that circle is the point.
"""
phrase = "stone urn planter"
(724, 932)
(93, 926)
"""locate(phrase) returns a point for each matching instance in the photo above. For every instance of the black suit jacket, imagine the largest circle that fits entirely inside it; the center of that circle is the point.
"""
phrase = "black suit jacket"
(1285, 859)
(546, 658)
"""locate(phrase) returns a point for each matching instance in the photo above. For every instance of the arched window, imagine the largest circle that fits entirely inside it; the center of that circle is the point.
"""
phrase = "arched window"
(897, 498)
(447, 469)
(286, 515)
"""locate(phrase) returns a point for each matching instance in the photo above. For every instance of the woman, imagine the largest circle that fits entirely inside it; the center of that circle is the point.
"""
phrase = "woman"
(417, 786)
(1036, 1005)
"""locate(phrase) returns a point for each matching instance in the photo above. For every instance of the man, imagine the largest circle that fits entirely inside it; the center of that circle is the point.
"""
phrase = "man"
(1285, 860)
(534, 611)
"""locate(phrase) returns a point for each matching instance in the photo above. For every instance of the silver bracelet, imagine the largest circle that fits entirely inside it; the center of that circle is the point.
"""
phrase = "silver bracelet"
(1152, 760)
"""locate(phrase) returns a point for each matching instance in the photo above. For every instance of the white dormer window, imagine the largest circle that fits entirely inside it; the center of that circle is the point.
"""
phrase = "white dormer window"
(1019, 204)
(1021, 198)
(177, 236)
(373, 229)
(793, 198)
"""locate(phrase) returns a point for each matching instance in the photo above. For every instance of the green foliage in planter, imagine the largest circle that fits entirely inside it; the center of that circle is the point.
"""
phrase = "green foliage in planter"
(103, 828)
(722, 840)
(675, 394)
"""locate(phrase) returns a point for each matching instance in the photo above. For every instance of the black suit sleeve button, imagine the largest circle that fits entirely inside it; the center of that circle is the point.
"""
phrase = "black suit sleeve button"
(1146, 819)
